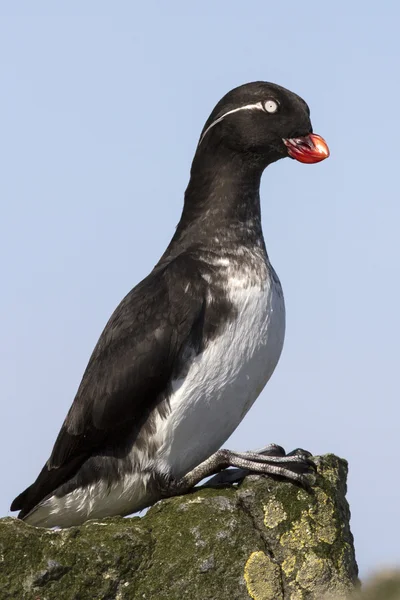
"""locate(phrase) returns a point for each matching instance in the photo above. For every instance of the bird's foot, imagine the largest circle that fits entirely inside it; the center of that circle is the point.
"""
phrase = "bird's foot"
(270, 460)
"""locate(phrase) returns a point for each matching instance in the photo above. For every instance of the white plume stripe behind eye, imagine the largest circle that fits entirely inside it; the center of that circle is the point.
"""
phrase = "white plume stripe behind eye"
(257, 106)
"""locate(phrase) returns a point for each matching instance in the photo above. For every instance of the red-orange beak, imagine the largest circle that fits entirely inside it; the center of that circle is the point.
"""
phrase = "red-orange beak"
(309, 149)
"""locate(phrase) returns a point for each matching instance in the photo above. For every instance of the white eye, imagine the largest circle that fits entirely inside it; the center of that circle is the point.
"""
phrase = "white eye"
(271, 106)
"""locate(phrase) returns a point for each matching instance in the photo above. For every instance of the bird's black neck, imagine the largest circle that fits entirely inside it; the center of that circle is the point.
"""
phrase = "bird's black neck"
(222, 203)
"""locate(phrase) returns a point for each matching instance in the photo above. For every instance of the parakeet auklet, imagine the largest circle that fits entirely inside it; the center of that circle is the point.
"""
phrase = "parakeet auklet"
(189, 349)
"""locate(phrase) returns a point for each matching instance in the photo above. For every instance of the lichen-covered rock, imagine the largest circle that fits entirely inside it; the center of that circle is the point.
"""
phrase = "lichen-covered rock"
(265, 539)
(308, 536)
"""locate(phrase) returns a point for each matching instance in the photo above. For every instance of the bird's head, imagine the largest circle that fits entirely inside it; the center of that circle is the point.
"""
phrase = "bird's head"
(264, 121)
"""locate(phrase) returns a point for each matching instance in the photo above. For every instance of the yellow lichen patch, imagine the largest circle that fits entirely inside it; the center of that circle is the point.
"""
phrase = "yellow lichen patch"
(274, 514)
(262, 577)
(288, 565)
(326, 530)
(314, 573)
(315, 525)
(329, 473)
(300, 534)
(303, 495)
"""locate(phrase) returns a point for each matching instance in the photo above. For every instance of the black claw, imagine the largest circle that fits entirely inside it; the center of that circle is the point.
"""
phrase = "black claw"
(301, 467)
(305, 456)
(273, 450)
(299, 452)
(278, 451)
(306, 484)
(312, 464)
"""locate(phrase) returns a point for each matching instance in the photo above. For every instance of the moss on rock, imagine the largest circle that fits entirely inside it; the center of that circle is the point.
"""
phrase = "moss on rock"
(264, 539)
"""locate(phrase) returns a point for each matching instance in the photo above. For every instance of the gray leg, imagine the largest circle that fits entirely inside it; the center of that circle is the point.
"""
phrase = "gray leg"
(270, 460)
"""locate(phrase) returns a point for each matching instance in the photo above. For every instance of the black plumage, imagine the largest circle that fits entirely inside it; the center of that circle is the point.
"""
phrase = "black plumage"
(146, 343)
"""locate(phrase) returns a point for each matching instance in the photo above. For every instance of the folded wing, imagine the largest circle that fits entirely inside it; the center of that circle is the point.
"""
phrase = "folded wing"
(142, 347)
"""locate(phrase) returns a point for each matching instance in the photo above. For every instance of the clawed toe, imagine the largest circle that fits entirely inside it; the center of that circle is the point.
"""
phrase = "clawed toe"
(305, 482)
(312, 465)
(270, 460)
(305, 456)
(271, 450)
(299, 452)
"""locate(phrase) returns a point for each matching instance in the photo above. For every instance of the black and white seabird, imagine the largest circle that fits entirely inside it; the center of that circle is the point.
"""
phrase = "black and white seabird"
(189, 349)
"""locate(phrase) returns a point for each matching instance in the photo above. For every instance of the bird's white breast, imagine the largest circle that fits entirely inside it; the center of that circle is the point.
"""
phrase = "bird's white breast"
(225, 379)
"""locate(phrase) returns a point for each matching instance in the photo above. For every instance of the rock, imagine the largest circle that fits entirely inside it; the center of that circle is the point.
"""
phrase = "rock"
(265, 539)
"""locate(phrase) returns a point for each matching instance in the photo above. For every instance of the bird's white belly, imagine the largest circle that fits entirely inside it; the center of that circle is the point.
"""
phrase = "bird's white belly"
(224, 380)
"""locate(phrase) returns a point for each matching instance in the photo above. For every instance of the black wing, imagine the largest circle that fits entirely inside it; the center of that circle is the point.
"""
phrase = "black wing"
(141, 348)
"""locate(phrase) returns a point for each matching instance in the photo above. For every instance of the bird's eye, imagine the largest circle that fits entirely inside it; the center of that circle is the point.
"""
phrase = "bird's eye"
(271, 106)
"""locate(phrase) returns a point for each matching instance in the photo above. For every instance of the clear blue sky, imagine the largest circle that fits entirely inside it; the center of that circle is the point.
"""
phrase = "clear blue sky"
(101, 108)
